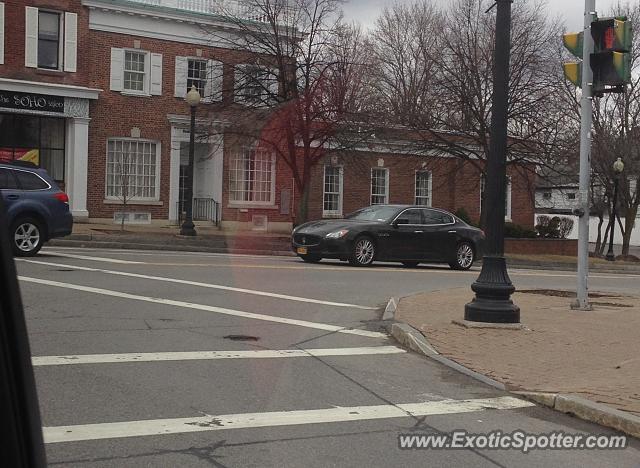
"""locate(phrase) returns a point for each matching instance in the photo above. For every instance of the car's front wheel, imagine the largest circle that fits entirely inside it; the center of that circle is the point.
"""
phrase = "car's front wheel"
(310, 258)
(465, 256)
(363, 252)
(28, 237)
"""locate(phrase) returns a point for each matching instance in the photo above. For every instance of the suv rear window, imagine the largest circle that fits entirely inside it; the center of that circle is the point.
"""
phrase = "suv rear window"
(7, 180)
(30, 181)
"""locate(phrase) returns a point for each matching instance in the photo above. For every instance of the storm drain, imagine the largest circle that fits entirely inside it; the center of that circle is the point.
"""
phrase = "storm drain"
(241, 338)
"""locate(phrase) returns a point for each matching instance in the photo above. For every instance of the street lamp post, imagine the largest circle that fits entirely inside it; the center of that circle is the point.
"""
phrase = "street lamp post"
(188, 228)
(618, 167)
(493, 288)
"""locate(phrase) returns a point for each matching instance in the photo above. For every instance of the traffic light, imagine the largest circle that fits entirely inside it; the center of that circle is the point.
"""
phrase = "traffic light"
(611, 60)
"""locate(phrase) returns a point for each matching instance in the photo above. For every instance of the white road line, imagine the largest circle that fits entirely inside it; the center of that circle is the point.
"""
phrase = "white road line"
(204, 285)
(153, 427)
(94, 259)
(207, 308)
(212, 355)
(158, 253)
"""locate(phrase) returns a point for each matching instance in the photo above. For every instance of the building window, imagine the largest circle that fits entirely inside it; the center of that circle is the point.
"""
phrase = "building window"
(379, 186)
(332, 191)
(39, 140)
(48, 40)
(423, 188)
(197, 75)
(132, 170)
(252, 177)
(571, 196)
(134, 71)
(546, 195)
(256, 85)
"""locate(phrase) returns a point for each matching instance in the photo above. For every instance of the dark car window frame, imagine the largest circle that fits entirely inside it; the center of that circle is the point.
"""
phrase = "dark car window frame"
(409, 209)
(443, 213)
(20, 187)
(12, 175)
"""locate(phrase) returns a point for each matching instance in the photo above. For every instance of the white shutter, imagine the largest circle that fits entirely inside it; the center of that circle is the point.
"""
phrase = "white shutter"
(70, 42)
(117, 69)
(156, 74)
(1, 32)
(31, 38)
(182, 63)
(213, 88)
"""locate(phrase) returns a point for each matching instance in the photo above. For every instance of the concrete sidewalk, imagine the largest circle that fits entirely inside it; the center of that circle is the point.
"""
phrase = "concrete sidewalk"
(166, 237)
(593, 355)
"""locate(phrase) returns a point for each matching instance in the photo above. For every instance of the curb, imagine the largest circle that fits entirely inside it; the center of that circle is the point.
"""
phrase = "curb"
(575, 405)
(163, 247)
(572, 268)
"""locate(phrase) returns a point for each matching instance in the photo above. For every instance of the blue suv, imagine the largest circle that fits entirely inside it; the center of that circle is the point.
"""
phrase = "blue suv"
(36, 207)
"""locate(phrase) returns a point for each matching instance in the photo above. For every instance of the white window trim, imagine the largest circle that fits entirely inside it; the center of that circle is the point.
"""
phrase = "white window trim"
(136, 200)
(61, 38)
(333, 213)
(257, 204)
(2, 28)
(386, 185)
(146, 91)
(415, 188)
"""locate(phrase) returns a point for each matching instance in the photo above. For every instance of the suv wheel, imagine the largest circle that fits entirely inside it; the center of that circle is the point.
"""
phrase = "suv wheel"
(27, 237)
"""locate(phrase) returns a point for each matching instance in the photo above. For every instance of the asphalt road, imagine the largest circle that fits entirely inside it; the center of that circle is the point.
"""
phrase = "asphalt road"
(315, 381)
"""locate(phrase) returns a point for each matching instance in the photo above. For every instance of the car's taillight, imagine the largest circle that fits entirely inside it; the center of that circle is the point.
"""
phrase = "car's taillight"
(61, 196)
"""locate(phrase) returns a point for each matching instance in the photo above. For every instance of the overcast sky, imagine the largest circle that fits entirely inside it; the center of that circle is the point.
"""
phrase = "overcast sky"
(366, 11)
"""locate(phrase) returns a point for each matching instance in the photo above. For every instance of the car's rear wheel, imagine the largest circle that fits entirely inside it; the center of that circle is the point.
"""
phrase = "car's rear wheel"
(310, 258)
(465, 256)
(410, 264)
(28, 237)
(364, 251)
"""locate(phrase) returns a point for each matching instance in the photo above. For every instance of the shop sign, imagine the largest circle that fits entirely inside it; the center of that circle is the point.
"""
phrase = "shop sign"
(33, 102)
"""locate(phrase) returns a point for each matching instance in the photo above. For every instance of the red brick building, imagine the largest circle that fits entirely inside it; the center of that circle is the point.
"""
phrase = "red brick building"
(113, 126)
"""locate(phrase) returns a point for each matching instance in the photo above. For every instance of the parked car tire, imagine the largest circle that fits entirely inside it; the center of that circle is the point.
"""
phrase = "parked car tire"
(363, 252)
(310, 258)
(28, 236)
(465, 256)
(410, 264)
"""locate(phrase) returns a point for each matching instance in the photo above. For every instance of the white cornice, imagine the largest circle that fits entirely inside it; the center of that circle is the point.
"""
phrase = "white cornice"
(38, 87)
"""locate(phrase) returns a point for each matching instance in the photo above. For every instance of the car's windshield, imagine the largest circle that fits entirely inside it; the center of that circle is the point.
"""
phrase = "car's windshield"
(374, 213)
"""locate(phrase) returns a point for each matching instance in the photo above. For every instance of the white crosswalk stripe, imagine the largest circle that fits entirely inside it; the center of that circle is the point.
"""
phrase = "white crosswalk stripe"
(153, 427)
(211, 355)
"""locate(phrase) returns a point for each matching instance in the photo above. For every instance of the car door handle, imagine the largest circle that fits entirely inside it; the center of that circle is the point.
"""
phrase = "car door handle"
(452, 232)
(418, 232)
(12, 197)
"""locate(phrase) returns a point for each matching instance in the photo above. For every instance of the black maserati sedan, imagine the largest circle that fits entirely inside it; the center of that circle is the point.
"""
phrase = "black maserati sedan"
(391, 233)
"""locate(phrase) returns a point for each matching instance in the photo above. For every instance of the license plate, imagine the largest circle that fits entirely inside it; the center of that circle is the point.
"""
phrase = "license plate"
(302, 250)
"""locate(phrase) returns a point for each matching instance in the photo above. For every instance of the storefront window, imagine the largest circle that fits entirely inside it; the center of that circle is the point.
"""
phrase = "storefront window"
(39, 140)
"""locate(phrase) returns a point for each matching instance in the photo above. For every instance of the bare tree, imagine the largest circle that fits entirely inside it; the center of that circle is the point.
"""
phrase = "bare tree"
(617, 134)
(299, 89)
(437, 78)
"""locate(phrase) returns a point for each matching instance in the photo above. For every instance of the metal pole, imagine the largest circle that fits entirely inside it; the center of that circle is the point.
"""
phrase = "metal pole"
(610, 255)
(493, 288)
(188, 228)
(582, 300)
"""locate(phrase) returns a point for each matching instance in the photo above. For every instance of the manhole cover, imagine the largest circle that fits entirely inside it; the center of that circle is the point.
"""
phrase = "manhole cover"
(241, 338)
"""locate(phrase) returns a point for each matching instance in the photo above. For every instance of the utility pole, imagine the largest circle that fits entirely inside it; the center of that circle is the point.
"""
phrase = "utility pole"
(586, 111)
(493, 288)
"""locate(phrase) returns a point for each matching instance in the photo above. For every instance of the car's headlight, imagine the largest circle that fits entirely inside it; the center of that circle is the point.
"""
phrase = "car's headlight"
(337, 234)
